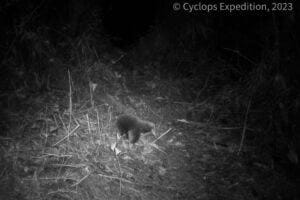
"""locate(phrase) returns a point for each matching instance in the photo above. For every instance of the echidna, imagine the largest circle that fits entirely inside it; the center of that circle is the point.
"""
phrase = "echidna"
(131, 127)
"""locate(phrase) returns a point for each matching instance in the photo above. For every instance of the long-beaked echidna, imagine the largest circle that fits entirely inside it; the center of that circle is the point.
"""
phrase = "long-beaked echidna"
(131, 127)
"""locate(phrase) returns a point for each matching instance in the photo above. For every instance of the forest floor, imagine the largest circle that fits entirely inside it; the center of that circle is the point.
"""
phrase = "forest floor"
(63, 144)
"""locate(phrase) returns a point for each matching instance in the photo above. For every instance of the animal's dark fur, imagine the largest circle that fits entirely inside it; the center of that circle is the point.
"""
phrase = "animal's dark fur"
(131, 127)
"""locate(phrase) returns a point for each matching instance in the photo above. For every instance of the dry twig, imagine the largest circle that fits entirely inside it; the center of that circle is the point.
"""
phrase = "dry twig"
(245, 126)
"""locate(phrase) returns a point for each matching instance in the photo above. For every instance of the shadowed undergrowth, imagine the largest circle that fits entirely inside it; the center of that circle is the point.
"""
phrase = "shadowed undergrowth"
(217, 137)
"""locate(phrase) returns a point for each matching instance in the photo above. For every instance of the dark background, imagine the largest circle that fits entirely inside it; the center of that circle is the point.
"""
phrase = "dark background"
(125, 23)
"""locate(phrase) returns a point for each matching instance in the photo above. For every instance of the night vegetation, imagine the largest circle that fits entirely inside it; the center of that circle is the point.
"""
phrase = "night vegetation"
(221, 88)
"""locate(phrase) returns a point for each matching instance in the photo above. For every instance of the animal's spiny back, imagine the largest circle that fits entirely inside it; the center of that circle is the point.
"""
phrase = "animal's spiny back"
(129, 125)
